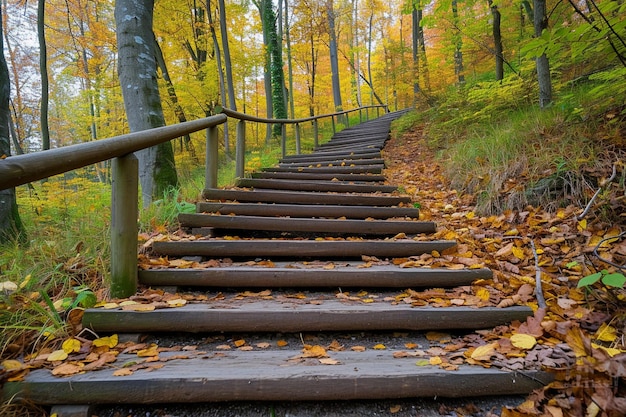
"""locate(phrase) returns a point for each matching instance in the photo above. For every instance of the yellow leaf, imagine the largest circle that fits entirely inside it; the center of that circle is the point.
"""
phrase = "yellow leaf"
(422, 362)
(611, 351)
(12, 364)
(438, 337)
(71, 345)
(606, 333)
(484, 352)
(315, 351)
(380, 346)
(239, 343)
(110, 341)
(512, 232)
(57, 355)
(410, 345)
(435, 360)
(518, 252)
(151, 350)
(470, 215)
(523, 341)
(582, 225)
(179, 302)
(25, 281)
(483, 294)
(282, 343)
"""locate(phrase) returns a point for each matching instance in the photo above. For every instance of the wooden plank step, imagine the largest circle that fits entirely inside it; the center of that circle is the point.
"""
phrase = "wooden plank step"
(295, 224)
(272, 316)
(360, 169)
(312, 185)
(300, 210)
(342, 156)
(339, 249)
(354, 152)
(303, 197)
(319, 176)
(291, 276)
(334, 162)
(374, 144)
(270, 376)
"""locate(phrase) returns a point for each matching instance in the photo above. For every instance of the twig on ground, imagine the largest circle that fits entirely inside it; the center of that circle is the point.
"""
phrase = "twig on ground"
(602, 187)
(541, 301)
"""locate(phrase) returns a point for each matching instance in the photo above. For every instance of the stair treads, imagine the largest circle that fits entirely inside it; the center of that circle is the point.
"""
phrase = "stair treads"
(301, 210)
(334, 162)
(300, 248)
(295, 224)
(338, 155)
(319, 176)
(272, 316)
(271, 376)
(312, 185)
(357, 169)
(292, 277)
(303, 197)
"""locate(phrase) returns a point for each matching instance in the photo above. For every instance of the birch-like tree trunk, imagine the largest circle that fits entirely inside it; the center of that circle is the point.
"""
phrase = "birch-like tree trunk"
(137, 72)
(334, 63)
(43, 69)
(11, 227)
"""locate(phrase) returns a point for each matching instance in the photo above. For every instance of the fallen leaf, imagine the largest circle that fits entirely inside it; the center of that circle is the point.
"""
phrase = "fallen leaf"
(71, 345)
(57, 355)
(435, 360)
(152, 350)
(109, 341)
(380, 346)
(329, 361)
(523, 341)
(67, 369)
(484, 352)
(123, 372)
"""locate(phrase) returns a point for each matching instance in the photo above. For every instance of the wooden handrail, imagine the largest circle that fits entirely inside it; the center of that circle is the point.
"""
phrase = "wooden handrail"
(249, 118)
(22, 169)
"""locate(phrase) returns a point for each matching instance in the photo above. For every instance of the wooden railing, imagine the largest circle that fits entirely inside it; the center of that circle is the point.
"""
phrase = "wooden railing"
(22, 169)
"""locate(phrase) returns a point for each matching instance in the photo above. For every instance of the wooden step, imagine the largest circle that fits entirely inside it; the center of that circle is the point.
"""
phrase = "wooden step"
(303, 210)
(292, 276)
(319, 176)
(296, 197)
(294, 224)
(334, 162)
(270, 376)
(297, 316)
(354, 152)
(340, 249)
(344, 156)
(360, 169)
(312, 185)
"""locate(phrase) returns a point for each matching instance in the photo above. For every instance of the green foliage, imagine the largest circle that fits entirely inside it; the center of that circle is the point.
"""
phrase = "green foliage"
(615, 279)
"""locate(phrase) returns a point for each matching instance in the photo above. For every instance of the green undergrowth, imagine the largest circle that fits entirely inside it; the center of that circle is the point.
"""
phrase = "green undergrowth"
(496, 144)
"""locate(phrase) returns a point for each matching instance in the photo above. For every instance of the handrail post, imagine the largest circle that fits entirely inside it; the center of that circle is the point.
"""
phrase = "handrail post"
(334, 128)
(283, 139)
(124, 213)
(360, 115)
(298, 148)
(240, 154)
(347, 119)
(210, 179)
(315, 134)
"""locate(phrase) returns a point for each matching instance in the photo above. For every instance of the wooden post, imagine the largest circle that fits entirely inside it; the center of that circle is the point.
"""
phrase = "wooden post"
(298, 149)
(315, 133)
(347, 116)
(240, 154)
(367, 114)
(360, 115)
(210, 179)
(283, 139)
(334, 128)
(124, 214)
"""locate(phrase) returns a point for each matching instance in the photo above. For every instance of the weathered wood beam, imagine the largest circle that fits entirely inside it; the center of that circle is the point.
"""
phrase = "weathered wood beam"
(295, 197)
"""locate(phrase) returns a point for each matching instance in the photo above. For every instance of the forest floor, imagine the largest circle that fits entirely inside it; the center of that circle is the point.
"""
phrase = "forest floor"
(578, 334)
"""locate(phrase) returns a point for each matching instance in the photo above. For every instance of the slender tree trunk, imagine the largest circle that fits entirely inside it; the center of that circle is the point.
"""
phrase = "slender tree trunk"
(540, 22)
(232, 103)
(43, 68)
(171, 93)
(11, 227)
(292, 106)
(369, 55)
(220, 73)
(137, 73)
(267, 80)
(497, 40)
(458, 46)
(415, 51)
(334, 63)
(276, 67)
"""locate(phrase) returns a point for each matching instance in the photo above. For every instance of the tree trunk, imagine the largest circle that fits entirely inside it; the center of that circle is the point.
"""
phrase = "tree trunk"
(220, 74)
(458, 45)
(232, 103)
(540, 22)
(276, 66)
(416, 52)
(267, 81)
(292, 108)
(43, 68)
(497, 41)
(11, 227)
(334, 63)
(137, 73)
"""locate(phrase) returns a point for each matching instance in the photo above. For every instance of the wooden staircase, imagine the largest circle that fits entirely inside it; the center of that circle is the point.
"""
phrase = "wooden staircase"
(313, 233)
